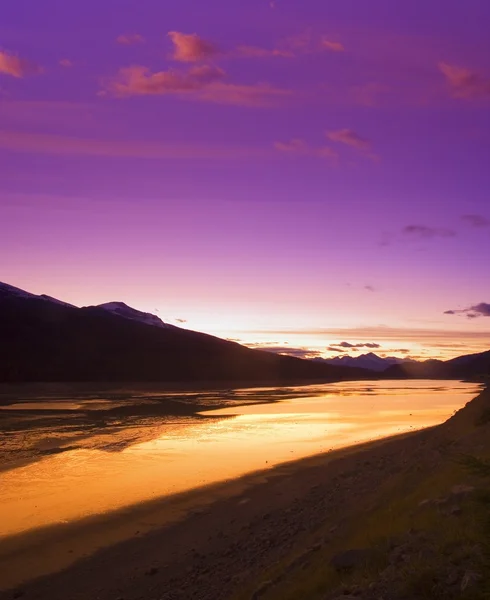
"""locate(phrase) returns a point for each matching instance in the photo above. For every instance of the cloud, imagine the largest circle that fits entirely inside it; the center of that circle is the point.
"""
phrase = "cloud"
(465, 83)
(300, 147)
(337, 350)
(364, 345)
(349, 138)
(254, 95)
(308, 42)
(422, 232)
(75, 146)
(181, 320)
(66, 62)
(332, 46)
(476, 221)
(190, 47)
(473, 312)
(137, 80)
(369, 288)
(201, 82)
(13, 65)
(130, 39)
(289, 351)
(257, 52)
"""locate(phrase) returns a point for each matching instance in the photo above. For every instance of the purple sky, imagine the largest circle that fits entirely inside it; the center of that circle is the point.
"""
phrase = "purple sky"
(287, 173)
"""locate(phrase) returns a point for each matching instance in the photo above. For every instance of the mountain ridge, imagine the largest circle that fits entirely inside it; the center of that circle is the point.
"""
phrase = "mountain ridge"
(45, 340)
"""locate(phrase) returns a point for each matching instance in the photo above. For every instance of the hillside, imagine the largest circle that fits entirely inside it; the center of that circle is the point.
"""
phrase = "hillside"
(47, 340)
(471, 366)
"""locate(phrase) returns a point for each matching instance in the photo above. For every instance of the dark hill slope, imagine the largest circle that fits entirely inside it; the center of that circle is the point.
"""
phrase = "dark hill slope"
(464, 367)
(46, 341)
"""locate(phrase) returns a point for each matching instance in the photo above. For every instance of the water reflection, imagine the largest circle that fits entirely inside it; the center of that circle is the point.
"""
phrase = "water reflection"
(160, 456)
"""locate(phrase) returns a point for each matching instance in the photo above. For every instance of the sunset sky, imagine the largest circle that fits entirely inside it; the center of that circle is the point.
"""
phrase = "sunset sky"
(290, 174)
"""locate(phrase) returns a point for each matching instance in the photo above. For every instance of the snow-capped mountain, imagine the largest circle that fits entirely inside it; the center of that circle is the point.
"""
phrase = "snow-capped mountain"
(116, 308)
(365, 361)
(123, 310)
(10, 290)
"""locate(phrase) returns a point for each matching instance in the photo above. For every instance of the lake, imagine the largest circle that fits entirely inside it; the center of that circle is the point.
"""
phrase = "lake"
(72, 457)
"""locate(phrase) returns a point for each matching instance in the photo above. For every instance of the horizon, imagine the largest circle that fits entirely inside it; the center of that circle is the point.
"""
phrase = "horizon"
(309, 178)
(337, 350)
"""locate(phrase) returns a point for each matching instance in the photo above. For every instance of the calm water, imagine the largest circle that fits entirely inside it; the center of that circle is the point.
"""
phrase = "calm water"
(177, 456)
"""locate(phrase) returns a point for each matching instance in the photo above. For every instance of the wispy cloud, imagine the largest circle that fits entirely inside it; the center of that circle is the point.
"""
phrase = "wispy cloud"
(358, 345)
(200, 82)
(258, 95)
(465, 83)
(369, 288)
(332, 45)
(13, 65)
(65, 62)
(257, 52)
(296, 352)
(140, 81)
(191, 47)
(75, 146)
(130, 39)
(473, 312)
(423, 232)
(478, 221)
(300, 147)
(307, 42)
(349, 138)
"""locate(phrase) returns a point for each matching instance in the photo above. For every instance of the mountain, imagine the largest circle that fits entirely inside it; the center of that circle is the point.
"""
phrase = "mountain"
(7, 290)
(123, 310)
(44, 339)
(464, 367)
(364, 361)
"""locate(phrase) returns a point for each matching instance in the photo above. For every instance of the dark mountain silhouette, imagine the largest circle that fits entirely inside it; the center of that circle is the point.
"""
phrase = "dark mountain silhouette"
(470, 366)
(43, 339)
(364, 361)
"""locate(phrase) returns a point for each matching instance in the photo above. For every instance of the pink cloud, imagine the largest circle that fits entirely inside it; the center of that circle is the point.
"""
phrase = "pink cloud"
(140, 81)
(309, 43)
(202, 82)
(11, 64)
(354, 140)
(75, 146)
(300, 147)
(130, 39)
(465, 83)
(190, 47)
(254, 95)
(256, 52)
(66, 62)
(349, 138)
(333, 46)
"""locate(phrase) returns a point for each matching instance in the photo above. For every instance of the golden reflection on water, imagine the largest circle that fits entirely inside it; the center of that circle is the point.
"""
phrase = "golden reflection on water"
(82, 482)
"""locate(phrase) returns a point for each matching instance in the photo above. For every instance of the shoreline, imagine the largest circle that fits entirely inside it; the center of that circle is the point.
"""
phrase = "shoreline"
(236, 539)
(49, 550)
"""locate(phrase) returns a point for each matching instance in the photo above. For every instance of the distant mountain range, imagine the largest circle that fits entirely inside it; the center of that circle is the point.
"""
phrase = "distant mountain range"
(391, 367)
(45, 339)
(364, 361)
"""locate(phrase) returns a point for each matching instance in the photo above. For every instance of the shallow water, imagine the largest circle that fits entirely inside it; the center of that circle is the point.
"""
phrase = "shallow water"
(160, 456)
